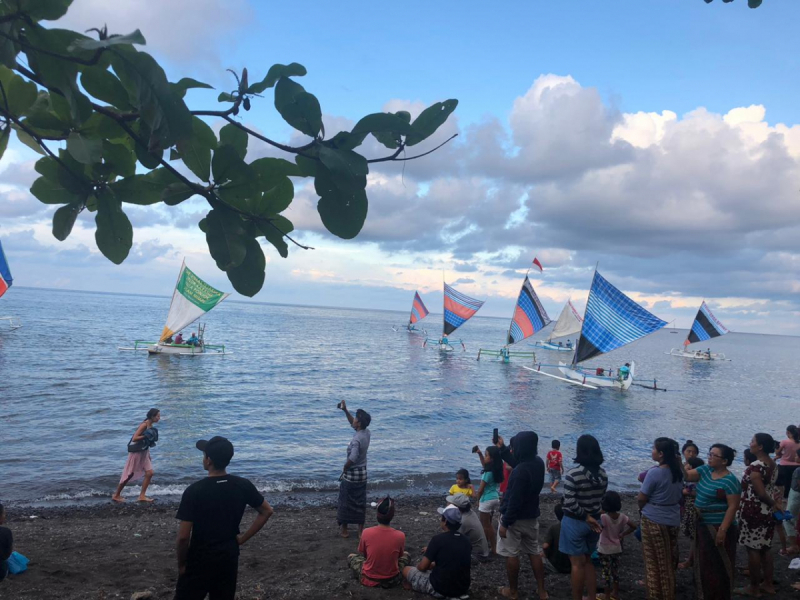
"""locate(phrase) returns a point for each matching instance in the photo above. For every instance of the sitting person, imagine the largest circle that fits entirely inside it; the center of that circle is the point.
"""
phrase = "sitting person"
(6, 544)
(557, 561)
(624, 371)
(193, 340)
(381, 551)
(179, 338)
(169, 340)
(444, 570)
(470, 524)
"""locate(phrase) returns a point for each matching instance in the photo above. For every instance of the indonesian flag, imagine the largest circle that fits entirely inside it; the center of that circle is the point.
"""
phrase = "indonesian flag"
(537, 264)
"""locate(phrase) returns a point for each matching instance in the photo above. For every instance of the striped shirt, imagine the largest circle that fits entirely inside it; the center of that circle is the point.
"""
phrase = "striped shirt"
(709, 505)
(583, 492)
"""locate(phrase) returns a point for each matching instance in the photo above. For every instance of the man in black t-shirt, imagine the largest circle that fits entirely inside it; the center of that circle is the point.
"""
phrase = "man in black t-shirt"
(6, 544)
(450, 555)
(208, 536)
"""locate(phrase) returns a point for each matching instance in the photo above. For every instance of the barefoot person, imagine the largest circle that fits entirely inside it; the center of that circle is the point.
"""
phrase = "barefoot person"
(353, 480)
(208, 535)
(138, 464)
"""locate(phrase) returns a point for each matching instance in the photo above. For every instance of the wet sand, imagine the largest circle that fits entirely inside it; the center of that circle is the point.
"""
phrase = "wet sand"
(109, 551)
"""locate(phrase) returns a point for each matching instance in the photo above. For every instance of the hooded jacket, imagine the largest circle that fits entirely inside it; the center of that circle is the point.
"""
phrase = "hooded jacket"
(521, 500)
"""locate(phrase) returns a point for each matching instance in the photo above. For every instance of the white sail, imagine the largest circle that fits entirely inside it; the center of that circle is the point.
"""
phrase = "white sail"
(192, 298)
(569, 322)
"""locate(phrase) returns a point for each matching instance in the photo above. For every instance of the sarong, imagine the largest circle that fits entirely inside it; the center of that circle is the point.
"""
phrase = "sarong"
(660, 547)
(713, 565)
(352, 507)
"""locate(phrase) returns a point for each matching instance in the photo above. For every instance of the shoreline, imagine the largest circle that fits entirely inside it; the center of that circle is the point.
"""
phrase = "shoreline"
(108, 550)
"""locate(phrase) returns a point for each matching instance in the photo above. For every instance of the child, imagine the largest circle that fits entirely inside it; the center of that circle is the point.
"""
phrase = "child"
(463, 484)
(690, 450)
(615, 527)
(688, 514)
(555, 465)
(6, 544)
(556, 560)
(488, 495)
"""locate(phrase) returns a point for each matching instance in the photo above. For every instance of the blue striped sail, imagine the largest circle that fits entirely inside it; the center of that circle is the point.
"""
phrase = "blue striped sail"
(705, 326)
(458, 308)
(611, 321)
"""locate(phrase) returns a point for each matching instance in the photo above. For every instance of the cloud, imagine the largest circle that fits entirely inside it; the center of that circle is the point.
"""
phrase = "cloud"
(463, 281)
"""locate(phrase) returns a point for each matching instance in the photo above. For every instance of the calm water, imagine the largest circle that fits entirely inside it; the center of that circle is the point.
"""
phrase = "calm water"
(70, 401)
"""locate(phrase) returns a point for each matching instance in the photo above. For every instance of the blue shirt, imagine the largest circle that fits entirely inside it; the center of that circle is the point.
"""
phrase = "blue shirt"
(663, 507)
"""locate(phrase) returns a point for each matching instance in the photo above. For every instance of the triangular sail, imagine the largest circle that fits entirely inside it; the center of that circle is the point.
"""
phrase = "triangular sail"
(5, 273)
(418, 310)
(612, 320)
(569, 322)
(458, 308)
(192, 298)
(705, 326)
(529, 315)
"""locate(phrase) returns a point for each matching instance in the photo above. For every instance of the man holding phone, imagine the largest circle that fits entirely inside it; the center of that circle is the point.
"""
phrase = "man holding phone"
(353, 480)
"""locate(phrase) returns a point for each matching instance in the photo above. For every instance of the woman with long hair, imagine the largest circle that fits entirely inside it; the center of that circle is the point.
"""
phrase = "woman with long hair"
(659, 500)
(756, 521)
(787, 458)
(718, 493)
(488, 493)
(139, 465)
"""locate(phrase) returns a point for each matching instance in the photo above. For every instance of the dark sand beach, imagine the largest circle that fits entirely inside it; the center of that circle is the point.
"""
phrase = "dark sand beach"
(108, 551)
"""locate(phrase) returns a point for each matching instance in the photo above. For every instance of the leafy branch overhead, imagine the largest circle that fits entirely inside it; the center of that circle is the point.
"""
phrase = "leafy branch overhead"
(113, 131)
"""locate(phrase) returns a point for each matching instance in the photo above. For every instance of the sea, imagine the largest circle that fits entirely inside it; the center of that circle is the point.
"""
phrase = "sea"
(70, 399)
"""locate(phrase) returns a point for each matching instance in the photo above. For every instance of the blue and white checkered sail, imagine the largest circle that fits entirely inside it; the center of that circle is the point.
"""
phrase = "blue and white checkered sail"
(611, 321)
(705, 326)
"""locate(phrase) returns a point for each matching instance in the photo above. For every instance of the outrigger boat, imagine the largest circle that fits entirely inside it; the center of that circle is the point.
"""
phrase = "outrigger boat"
(705, 327)
(528, 318)
(418, 312)
(569, 322)
(458, 309)
(191, 299)
(5, 282)
(612, 320)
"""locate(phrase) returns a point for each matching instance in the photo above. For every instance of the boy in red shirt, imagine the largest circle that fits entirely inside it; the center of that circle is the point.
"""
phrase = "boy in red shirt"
(381, 551)
(555, 465)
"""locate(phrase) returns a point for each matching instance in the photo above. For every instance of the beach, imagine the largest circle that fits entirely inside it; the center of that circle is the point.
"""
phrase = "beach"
(107, 551)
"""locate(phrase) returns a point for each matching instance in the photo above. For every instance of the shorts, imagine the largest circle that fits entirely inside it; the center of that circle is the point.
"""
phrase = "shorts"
(555, 475)
(421, 582)
(521, 537)
(217, 579)
(577, 538)
(490, 506)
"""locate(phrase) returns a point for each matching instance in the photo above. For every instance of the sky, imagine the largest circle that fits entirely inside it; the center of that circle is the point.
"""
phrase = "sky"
(657, 141)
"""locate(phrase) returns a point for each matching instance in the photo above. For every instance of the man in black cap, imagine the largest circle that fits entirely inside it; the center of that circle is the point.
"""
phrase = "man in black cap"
(208, 536)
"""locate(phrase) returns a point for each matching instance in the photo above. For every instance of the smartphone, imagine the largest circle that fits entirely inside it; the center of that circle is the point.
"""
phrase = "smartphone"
(475, 449)
(339, 405)
(495, 436)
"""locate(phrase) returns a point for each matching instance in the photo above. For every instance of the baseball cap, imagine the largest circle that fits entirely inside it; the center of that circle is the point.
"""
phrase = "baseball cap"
(450, 513)
(218, 449)
(460, 500)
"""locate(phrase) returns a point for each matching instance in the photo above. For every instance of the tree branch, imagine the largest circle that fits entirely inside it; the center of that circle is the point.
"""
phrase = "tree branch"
(393, 157)
(291, 149)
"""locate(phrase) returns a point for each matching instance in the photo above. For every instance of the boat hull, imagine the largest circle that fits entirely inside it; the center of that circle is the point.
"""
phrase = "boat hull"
(697, 354)
(180, 349)
(597, 380)
(553, 347)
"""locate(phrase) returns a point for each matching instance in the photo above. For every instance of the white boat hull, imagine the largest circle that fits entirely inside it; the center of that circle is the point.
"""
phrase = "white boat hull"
(597, 380)
(180, 349)
(13, 322)
(553, 347)
(697, 354)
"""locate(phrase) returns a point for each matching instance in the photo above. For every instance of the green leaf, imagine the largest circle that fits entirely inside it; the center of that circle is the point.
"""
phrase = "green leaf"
(99, 126)
(187, 83)
(114, 235)
(120, 158)
(4, 135)
(276, 199)
(298, 108)
(347, 140)
(175, 193)
(44, 10)
(8, 50)
(248, 277)
(225, 97)
(64, 220)
(349, 169)
(21, 95)
(225, 236)
(753, 3)
(232, 135)
(276, 72)
(271, 170)
(115, 40)
(343, 213)
(195, 151)
(143, 189)
(227, 165)
(73, 180)
(307, 166)
(103, 85)
(149, 160)
(48, 191)
(42, 119)
(429, 120)
(274, 237)
(382, 123)
(28, 140)
(83, 149)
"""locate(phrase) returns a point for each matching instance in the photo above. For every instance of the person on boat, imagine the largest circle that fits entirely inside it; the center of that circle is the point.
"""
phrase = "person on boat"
(444, 341)
(179, 338)
(709, 353)
(625, 371)
(138, 464)
(569, 343)
(168, 340)
(560, 345)
(193, 340)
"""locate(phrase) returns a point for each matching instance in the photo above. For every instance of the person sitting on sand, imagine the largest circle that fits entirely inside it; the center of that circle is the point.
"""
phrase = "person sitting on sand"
(470, 524)
(6, 544)
(208, 535)
(381, 551)
(556, 561)
(179, 338)
(138, 464)
(444, 570)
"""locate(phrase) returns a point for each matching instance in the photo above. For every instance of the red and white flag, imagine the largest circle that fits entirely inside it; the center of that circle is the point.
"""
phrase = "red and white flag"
(537, 264)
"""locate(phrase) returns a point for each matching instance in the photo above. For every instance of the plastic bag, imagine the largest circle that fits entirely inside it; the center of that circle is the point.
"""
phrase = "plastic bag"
(17, 563)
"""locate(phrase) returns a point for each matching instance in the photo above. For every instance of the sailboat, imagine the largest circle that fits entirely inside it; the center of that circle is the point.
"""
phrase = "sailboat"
(191, 299)
(569, 322)
(528, 318)
(5, 282)
(418, 312)
(705, 327)
(458, 309)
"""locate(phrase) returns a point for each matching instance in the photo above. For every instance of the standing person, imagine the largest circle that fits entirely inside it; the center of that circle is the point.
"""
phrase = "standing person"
(488, 493)
(555, 465)
(584, 488)
(756, 521)
(787, 458)
(718, 492)
(463, 484)
(6, 544)
(616, 526)
(659, 500)
(139, 464)
(353, 480)
(381, 551)
(688, 516)
(519, 512)
(793, 507)
(208, 534)
(690, 450)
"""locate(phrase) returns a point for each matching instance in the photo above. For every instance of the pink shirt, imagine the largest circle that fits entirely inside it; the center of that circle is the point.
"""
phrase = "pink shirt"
(610, 542)
(789, 456)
